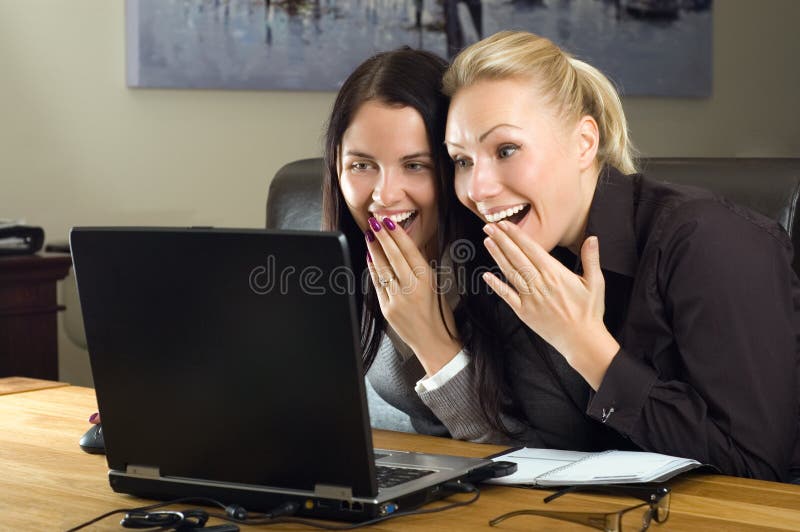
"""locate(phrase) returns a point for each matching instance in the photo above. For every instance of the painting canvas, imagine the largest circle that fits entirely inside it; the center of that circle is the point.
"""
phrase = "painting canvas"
(648, 47)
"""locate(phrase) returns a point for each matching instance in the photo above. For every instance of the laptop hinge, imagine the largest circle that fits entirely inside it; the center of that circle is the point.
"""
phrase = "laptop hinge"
(328, 491)
(142, 471)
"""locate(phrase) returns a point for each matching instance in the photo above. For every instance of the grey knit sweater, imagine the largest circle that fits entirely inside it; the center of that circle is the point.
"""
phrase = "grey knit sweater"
(550, 398)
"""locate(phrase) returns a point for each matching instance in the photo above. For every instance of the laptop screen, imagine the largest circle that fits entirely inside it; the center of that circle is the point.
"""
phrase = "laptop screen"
(228, 355)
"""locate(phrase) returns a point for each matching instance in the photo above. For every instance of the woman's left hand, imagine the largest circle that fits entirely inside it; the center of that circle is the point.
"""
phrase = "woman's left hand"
(565, 309)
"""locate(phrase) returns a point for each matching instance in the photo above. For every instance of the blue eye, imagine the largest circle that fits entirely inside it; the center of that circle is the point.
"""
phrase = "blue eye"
(360, 166)
(507, 150)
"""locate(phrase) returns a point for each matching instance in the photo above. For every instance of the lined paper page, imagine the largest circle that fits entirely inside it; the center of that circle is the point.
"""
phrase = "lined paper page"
(618, 466)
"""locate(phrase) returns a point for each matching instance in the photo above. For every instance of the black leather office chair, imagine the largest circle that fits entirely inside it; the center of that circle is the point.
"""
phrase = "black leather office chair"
(294, 200)
(769, 186)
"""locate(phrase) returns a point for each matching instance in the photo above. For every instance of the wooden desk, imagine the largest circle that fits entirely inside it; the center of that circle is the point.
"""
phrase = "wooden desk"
(28, 314)
(48, 483)
(26, 384)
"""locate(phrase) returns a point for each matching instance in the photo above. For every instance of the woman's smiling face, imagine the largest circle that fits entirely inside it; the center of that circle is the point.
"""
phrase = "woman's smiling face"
(386, 170)
(516, 160)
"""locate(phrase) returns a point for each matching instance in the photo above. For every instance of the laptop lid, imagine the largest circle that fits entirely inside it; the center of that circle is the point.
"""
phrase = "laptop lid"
(227, 354)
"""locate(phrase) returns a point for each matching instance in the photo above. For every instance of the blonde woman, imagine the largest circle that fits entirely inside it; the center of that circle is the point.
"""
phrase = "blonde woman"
(658, 317)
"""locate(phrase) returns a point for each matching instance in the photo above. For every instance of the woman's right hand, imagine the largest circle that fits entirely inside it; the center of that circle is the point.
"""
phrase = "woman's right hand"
(408, 295)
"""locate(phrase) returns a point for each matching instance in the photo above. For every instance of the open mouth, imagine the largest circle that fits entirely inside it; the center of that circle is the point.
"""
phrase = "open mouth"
(513, 215)
(408, 221)
(403, 219)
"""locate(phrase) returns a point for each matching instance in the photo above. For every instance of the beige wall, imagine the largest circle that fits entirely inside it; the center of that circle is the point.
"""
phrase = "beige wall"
(78, 147)
(754, 109)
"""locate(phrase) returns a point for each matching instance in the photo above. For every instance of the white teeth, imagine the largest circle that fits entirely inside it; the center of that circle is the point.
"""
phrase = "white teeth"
(500, 215)
(399, 217)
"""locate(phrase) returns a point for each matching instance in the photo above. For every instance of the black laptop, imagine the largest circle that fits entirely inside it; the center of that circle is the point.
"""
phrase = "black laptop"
(227, 365)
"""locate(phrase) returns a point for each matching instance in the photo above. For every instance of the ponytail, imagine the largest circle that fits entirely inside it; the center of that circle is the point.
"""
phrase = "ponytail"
(601, 101)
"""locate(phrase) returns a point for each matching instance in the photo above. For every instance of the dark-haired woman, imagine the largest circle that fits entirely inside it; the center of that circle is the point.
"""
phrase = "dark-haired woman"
(388, 187)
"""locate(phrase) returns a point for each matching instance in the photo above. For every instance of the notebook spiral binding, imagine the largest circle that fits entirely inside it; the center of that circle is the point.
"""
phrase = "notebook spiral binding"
(559, 469)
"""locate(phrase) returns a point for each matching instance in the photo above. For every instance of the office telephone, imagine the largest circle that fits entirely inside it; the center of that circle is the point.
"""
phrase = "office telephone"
(16, 238)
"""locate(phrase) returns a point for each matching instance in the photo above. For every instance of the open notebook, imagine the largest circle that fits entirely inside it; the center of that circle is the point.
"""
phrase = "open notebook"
(551, 467)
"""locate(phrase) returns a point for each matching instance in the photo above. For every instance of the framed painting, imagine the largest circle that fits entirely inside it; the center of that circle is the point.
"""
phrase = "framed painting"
(648, 47)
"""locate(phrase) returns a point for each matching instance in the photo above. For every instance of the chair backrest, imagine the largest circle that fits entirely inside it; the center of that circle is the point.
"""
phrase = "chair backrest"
(294, 200)
(769, 186)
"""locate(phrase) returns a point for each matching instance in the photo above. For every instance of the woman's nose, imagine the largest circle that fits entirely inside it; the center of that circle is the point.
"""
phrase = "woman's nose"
(483, 184)
(388, 190)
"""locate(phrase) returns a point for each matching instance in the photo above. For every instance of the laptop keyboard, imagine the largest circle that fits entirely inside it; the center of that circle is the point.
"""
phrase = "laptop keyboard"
(392, 476)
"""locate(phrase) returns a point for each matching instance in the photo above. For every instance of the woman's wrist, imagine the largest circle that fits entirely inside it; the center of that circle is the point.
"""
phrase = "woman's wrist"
(592, 355)
(434, 355)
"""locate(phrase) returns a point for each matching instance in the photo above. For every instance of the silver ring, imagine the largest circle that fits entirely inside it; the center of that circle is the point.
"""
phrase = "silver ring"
(385, 282)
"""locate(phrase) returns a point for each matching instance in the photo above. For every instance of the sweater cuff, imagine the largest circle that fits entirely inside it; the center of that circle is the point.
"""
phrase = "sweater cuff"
(447, 372)
(456, 405)
(623, 392)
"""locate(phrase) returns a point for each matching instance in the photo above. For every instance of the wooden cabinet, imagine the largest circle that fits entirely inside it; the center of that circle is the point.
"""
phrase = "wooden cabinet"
(28, 314)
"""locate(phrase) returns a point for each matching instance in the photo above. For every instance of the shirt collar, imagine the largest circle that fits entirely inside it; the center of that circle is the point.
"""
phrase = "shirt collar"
(611, 220)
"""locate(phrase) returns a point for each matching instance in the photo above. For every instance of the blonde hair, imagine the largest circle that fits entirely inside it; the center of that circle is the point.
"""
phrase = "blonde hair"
(573, 87)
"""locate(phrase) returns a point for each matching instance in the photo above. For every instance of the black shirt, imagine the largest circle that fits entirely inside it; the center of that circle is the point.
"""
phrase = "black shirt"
(702, 298)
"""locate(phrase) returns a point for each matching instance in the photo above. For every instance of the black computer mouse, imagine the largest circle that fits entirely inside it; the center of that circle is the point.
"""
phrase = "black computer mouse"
(92, 441)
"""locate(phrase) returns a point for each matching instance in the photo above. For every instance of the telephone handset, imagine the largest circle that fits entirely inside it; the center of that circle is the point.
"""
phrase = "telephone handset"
(16, 238)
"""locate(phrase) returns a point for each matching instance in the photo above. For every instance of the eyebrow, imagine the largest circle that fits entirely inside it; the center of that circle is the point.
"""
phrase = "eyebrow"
(359, 154)
(484, 135)
(416, 155)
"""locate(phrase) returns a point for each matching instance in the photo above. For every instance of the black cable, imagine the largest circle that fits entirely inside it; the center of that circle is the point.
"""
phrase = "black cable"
(275, 515)
(96, 519)
(189, 519)
(205, 500)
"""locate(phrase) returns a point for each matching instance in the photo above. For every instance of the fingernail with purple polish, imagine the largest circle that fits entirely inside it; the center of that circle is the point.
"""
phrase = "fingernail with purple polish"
(375, 224)
(93, 417)
(369, 257)
(369, 235)
(389, 224)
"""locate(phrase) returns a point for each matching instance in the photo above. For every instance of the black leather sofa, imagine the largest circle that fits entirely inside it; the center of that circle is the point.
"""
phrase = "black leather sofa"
(769, 186)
